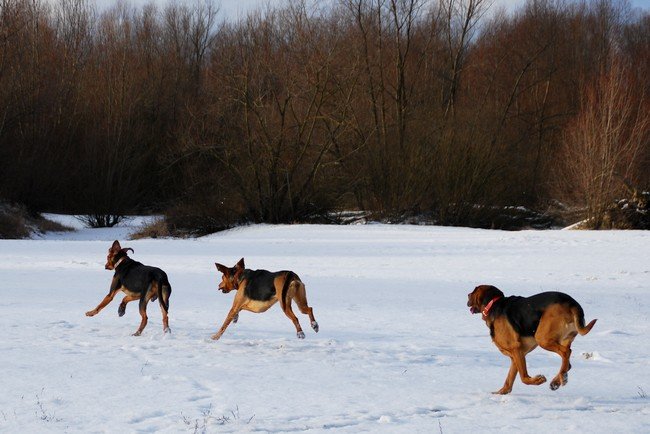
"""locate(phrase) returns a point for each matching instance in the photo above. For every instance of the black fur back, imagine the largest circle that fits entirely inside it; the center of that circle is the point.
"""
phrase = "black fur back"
(524, 313)
(136, 277)
(259, 284)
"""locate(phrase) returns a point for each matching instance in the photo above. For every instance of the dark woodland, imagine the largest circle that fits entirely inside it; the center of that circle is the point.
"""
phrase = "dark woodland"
(446, 111)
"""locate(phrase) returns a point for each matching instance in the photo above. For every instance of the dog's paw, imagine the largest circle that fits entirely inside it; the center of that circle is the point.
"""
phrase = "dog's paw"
(314, 325)
(167, 330)
(91, 313)
(215, 337)
(301, 334)
(121, 310)
(559, 381)
(539, 379)
(137, 333)
(503, 391)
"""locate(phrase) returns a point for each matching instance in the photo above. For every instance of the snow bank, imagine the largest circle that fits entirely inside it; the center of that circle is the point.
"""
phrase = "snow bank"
(397, 351)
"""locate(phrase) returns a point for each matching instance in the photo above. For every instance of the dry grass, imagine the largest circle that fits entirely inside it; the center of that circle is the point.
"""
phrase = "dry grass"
(12, 222)
(156, 229)
(17, 223)
(45, 225)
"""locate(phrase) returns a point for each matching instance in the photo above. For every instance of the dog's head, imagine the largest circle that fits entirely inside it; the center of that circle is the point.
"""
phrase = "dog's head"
(115, 253)
(230, 276)
(481, 296)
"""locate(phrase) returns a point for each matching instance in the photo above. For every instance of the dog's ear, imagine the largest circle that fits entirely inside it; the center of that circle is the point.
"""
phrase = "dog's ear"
(116, 246)
(491, 292)
(240, 264)
(126, 249)
(222, 268)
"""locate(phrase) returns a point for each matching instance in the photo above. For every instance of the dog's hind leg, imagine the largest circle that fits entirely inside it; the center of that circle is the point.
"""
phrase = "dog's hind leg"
(165, 319)
(556, 331)
(292, 316)
(163, 299)
(143, 313)
(563, 349)
(292, 292)
(562, 376)
(301, 301)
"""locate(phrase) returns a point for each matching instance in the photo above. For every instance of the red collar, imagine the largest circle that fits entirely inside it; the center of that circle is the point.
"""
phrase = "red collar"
(487, 308)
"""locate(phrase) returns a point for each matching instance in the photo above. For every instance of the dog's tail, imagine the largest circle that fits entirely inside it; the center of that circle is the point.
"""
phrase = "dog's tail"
(164, 291)
(290, 277)
(579, 318)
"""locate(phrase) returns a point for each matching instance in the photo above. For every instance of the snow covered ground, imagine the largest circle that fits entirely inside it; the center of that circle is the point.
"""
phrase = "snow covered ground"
(397, 352)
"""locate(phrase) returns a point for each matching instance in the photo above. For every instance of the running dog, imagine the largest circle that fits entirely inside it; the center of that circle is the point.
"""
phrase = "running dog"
(258, 290)
(138, 282)
(519, 324)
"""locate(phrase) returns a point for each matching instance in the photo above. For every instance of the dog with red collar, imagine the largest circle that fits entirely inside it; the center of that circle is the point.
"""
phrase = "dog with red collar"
(518, 325)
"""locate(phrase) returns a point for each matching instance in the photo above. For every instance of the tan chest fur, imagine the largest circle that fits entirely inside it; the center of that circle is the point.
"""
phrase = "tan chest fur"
(128, 292)
(507, 339)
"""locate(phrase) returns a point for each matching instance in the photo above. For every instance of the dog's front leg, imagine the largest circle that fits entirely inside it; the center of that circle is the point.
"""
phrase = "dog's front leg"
(115, 283)
(232, 314)
(519, 359)
(510, 379)
(121, 310)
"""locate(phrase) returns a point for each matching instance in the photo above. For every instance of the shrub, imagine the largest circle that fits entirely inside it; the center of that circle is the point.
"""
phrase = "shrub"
(158, 228)
(13, 224)
(100, 220)
(17, 222)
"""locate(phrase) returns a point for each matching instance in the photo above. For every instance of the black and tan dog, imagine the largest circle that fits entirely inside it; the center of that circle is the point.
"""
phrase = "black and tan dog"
(518, 324)
(138, 282)
(258, 290)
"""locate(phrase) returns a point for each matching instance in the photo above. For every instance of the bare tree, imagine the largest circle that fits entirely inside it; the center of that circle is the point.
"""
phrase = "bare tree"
(461, 19)
(604, 147)
(390, 44)
(399, 107)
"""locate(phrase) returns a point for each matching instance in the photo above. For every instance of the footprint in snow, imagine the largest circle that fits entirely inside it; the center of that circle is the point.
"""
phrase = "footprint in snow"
(63, 324)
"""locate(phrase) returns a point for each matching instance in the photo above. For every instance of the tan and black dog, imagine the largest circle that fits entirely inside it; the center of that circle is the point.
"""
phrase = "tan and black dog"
(258, 290)
(519, 324)
(138, 282)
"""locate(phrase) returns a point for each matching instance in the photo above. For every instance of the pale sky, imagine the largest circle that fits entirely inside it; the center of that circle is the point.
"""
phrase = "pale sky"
(239, 8)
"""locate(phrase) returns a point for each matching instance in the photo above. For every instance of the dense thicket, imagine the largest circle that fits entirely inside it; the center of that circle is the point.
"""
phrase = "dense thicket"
(438, 108)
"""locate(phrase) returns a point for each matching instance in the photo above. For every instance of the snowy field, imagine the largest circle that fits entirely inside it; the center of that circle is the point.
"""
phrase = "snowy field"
(397, 351)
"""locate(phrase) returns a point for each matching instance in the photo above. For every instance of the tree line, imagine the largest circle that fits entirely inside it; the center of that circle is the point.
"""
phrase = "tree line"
(447, 109)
